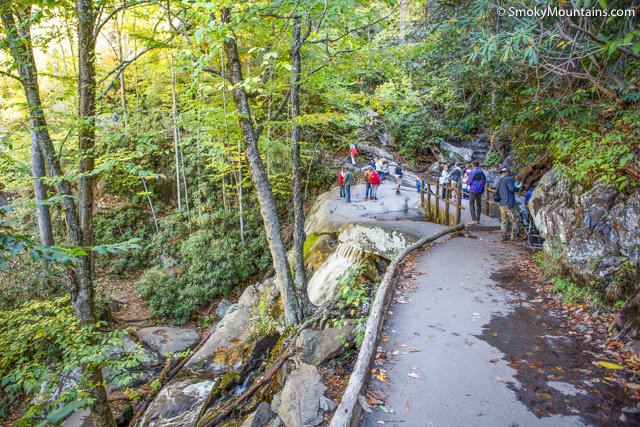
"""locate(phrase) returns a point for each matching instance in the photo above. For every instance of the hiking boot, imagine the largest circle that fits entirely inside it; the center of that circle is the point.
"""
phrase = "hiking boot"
(474, 222)
(366, 198)
(375, 198)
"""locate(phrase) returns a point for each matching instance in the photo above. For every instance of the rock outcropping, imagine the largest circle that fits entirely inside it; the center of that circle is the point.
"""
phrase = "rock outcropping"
(594, 234)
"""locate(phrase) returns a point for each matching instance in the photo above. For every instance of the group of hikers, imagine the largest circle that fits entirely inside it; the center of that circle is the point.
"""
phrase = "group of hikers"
(374, 175)
(473, 184)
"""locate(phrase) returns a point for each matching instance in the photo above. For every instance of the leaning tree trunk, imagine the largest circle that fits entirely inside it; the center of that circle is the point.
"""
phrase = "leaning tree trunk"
(260, 178)
(299, 236)
(84, 302)
(19, 41)
(38, 171)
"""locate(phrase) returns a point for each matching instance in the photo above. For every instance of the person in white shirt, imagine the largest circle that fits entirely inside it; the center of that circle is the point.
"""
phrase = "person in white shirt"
(444, 180)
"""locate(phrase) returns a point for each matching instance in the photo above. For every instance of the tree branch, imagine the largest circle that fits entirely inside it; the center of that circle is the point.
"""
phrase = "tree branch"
(115, 10)
(275, 115)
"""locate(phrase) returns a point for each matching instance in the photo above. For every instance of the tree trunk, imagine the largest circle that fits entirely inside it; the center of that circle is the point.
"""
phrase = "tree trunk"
(84, 302)
(299, 236)
(262, 183)
(19, 41)
(40, 189)
(81, 288)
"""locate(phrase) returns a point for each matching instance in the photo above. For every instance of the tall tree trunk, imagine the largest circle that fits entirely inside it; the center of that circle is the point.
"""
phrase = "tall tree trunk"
(19, 41)
(84, 303)
(299, 236)
(260, 178)
(40, 190)
(81, 288)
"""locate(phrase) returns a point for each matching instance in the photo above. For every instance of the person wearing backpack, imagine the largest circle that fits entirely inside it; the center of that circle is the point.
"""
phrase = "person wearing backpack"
(505, 196)
(374, 180)
(476, 183)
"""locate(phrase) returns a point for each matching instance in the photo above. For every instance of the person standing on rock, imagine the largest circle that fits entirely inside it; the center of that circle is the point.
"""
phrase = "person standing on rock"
(348, 182)
(476, 183)
(353, 152)
(374, 179)
(506, 198)
(367, 183)
(399, 174)
(341, 181)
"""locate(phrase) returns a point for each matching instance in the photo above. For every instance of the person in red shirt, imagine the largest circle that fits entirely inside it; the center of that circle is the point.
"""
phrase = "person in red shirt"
(353, 152)
(341, 182)
(374, 180)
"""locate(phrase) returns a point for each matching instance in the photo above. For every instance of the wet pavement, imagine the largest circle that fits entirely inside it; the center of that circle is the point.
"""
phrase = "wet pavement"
(467, 342)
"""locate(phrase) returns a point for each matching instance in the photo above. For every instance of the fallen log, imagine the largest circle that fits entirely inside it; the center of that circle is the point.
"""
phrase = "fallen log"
(349, 409)
(214, 419)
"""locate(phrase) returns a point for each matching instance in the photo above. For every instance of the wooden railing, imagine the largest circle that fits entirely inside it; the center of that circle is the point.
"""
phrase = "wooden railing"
(444, 216)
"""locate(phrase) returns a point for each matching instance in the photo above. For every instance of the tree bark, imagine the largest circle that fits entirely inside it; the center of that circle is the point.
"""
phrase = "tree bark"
(84, 302)
(40, 190)
(261, 180)
(19, 41)
(299, 236)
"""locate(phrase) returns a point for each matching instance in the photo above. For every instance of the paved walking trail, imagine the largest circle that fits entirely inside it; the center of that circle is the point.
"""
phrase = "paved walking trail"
(486, 353)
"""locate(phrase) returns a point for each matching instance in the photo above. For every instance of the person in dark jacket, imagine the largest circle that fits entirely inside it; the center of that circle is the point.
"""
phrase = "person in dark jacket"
(399, 174)
(509, 215)
(476, 183)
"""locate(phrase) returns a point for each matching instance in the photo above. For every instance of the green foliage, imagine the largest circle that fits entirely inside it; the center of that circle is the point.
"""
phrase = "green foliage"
(210, 261)
(571, 293)
(268, 318)
(493, 159)
(41, 344)
(121, 225)
(353, 300)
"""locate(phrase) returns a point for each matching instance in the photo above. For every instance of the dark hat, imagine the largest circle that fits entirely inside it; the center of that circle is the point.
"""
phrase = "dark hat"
(503, 170)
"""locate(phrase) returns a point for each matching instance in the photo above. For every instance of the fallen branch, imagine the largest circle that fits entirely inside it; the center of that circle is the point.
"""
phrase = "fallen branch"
(349, 408)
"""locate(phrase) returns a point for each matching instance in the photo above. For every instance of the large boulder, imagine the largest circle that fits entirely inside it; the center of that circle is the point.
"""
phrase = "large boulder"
(166, 339)
(299, 402)
(321, 346)
(457, 154)
(592, 233)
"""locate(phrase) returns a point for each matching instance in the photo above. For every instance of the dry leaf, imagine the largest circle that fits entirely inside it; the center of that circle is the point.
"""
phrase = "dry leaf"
(414, 375)
(415, 350)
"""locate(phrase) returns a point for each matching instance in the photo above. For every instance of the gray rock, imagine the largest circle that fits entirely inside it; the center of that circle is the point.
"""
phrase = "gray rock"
(80, 418)
(223, 308)
(166, 339)
(260, 417)
(327, 405)
(277, 422)
(457, 154)
(298, 404)
(589, 232)
(320, 346)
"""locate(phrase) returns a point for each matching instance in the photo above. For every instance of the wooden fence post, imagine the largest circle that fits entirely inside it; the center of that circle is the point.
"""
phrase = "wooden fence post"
(458, 202)
(447, 203)
(437, 202)
(429, 215)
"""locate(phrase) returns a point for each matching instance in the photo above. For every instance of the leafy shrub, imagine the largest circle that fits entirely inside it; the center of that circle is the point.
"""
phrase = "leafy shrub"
(41, 343)
(210, 261)
(120, 225)
(493, 159)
